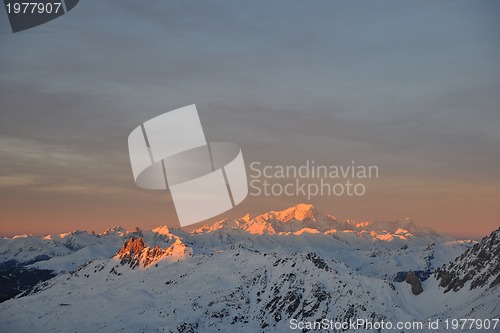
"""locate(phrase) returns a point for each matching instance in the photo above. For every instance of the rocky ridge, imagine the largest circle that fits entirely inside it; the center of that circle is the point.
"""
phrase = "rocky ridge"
(477, 267)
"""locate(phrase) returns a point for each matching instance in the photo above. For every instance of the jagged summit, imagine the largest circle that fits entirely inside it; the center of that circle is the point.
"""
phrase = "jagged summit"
(162, 230)
(118, 230)
(136, 253)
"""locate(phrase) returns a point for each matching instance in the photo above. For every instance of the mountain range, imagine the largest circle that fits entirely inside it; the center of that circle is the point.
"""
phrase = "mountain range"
(252, 274)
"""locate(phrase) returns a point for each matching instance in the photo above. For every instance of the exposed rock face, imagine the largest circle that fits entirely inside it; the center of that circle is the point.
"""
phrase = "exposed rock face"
(131, 251)
(135, 253)
(133, 245)
(413, 280)
(479, 265)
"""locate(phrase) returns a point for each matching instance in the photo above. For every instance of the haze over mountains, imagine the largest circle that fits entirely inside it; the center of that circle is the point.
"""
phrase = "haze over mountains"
(249, 274)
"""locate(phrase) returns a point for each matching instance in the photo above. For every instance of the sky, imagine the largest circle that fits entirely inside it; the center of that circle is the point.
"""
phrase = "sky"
(412, 87)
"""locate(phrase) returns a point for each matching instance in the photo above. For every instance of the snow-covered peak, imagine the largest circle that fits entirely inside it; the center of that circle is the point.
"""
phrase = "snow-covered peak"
(162, 230)
(136, 253)
(136, 232)
(290, 220)
(76, 232)
(22, 236)
(299, 212)
(222, 224)
(119, 231)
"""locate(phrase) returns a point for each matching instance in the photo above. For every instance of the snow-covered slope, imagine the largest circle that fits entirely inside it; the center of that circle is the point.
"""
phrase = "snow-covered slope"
(255, 274)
